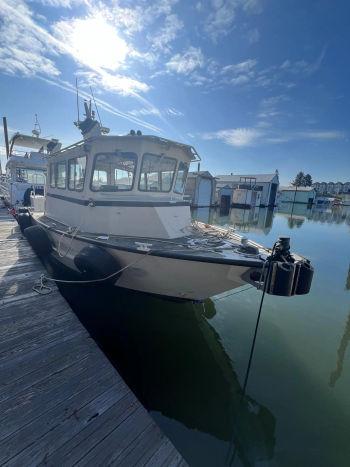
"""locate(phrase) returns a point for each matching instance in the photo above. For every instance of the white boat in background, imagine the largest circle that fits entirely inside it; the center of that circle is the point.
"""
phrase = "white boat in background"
(25, 171)
(115, 211)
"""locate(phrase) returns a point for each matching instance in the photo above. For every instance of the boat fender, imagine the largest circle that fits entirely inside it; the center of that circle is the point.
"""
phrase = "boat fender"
(96, 263)
(38, 240)
(304, 280)
(281, 279)
(24, 220)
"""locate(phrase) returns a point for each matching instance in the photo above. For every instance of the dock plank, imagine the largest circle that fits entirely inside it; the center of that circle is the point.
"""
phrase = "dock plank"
(61, 400)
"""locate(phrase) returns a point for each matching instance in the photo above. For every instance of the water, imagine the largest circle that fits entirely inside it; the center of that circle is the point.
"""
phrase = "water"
(186, 362)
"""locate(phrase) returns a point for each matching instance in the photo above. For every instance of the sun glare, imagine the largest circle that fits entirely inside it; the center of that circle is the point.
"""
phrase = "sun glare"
(97, 44)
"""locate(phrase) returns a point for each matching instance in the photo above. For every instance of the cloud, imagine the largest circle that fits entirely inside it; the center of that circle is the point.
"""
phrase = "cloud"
(120, 84)
(304, 66)
(29, 49)
(237, 137)
(62, 3)
(186, 62)
(259, 135)
(23, 50)
(253, 36)
(220, 20)
(66, 86)
(174, 112)
(238, 68)
(145, 111)
(238, 73)
(161, 39)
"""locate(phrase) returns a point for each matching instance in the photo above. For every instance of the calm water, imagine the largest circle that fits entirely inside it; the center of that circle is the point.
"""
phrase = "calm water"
(186, 362)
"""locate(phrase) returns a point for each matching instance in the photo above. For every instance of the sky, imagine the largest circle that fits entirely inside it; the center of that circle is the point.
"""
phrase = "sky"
(253, 85)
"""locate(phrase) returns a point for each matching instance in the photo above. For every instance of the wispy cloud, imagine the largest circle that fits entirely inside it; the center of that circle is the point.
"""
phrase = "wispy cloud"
(254, 136)
(161, 39)
(62, 3)
(186, 62)
(220, 20)
(29, 49)
(253, 36)
(66, 86)
(237, 137)
(174, 112)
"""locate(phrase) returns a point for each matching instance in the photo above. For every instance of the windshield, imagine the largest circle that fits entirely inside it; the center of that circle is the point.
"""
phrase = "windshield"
(34, 176)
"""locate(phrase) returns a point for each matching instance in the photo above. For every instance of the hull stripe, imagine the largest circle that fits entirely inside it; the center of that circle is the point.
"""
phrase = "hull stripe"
(85, 202)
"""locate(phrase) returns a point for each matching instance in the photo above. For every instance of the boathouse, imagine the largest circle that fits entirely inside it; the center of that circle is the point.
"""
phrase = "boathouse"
(254, 190)
(300, 194)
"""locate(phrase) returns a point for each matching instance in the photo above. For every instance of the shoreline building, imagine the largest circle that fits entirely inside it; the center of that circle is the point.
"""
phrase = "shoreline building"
(331, 188)
(246, 190)
(299, 195)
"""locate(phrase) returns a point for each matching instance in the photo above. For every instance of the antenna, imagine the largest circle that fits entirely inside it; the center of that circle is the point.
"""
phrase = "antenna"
(76, 86)
(36, 130)
(98, 113)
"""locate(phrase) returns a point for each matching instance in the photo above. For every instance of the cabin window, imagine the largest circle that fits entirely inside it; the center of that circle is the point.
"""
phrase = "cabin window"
(181, 178)
(76, 173)
(61, 174)
(52, 175)
(114, 171)
(33, 176)
(157, 173)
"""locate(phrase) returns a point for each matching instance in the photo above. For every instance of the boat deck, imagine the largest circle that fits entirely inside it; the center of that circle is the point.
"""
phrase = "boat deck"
(210, 244)
(61, 400)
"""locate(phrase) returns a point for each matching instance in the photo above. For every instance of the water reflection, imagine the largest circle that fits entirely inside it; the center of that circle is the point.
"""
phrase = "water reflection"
(344, 342)
(260, 220)
(244, 220)
(174, 361)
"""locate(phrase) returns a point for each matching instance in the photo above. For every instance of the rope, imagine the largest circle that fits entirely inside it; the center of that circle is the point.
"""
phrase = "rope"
(252, 348)
(40, 285)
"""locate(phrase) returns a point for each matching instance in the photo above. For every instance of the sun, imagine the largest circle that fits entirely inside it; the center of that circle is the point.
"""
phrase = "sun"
(96, 43)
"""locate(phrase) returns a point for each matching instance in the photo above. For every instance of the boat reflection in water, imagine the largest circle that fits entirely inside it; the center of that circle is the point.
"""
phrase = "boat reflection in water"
(244, 220)
(175, 363)
(260, 220)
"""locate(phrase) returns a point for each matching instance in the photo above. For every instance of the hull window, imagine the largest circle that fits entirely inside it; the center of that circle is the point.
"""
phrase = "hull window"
(157, 173)
(76, 173)
(114, 171)
(181, 177)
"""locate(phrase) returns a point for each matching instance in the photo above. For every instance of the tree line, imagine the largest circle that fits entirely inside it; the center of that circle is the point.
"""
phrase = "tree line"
(302, 179)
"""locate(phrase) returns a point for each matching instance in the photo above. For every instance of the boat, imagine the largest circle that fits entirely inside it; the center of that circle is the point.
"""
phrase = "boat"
(115, 211)
(25, 170)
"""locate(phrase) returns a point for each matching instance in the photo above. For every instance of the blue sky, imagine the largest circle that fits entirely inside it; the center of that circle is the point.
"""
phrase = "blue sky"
(254, 85)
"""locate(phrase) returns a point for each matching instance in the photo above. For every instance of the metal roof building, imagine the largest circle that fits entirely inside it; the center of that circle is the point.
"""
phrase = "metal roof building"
(266, 183)
(300, 194)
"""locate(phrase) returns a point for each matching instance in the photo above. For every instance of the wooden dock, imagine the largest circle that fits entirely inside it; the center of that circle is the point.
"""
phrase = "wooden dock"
(61, 400)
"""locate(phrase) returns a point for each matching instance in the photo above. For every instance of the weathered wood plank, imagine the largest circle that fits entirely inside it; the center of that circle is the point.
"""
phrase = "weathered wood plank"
(61, 401)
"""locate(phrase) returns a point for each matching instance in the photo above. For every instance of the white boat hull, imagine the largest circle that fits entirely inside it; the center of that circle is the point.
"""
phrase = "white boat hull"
(178, 278)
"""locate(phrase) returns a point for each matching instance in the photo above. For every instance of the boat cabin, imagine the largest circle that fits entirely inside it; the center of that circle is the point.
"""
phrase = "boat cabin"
(26, 168)
(115, 185)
